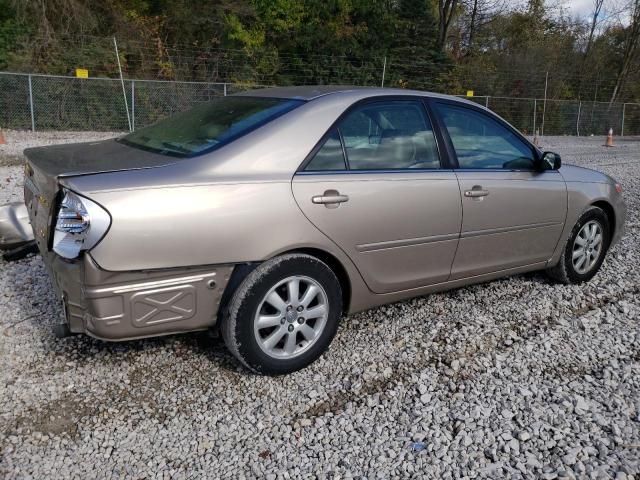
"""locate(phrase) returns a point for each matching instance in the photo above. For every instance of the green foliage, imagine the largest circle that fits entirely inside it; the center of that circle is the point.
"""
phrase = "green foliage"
(12, 31)
(260, 42)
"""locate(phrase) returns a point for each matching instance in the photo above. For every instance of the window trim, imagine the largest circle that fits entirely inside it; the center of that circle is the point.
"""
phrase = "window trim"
(345, 158)
(443, 160)
(455, 165)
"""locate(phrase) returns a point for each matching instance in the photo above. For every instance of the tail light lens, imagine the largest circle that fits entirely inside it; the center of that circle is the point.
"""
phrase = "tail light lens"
(618, 188)
(80, 225)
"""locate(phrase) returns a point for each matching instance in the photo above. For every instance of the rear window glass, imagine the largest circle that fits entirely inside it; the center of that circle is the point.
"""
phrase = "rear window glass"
(209, 126)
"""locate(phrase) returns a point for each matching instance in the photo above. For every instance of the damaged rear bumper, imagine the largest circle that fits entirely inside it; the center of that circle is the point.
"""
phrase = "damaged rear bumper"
(122, 305)
(15, 227)
(137, 304)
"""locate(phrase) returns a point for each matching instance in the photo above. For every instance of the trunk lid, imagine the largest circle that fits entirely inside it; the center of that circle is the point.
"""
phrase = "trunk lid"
(93, 157)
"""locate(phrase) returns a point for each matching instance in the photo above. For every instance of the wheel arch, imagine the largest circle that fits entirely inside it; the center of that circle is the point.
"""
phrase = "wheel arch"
(335, 265)
(241, 271)
(609, 212)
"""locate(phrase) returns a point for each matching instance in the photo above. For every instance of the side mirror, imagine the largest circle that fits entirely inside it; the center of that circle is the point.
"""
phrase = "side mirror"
(550, 161)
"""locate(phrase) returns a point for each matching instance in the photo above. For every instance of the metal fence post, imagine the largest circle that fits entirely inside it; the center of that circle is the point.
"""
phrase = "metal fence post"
(578, 120)
(486, 102)
(535, 107)
(225, 88)
(33, 119)
(384, 71)
(624, 105)
(544, 105)
(124, 93)
(133, 105)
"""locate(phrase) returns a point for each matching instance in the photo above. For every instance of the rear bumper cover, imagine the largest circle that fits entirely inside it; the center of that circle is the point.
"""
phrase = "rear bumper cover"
(15, 227)
(128, 305)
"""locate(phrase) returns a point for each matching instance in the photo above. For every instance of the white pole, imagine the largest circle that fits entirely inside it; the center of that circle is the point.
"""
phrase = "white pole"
(124, 91)
(578, 120)
(535, 106)
(544, 105)
(622, 126)
(384, 70)
(133, 105)
(33, 120)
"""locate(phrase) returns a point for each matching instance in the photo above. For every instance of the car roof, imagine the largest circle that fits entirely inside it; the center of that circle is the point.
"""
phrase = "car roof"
(311, 92)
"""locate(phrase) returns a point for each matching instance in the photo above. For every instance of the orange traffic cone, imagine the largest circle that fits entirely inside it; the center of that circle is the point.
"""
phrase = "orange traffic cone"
(3, 141)
(609, 142)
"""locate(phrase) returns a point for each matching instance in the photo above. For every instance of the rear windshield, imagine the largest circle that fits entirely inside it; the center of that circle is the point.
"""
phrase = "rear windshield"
(208, 126)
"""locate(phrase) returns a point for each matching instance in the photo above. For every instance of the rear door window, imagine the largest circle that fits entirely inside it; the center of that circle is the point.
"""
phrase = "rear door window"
(389, 135)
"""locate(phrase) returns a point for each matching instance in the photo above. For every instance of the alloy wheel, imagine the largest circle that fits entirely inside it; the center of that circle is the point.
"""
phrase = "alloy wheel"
(291, 317)
(587, 247)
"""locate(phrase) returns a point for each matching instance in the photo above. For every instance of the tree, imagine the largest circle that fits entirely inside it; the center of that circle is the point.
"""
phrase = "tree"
(446, 13)
(479, 14)
(416, 58)
(597, 7)
(630, 46)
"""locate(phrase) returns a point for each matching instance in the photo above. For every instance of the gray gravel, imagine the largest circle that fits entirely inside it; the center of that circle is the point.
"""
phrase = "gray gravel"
(517, 378)
(18, 140)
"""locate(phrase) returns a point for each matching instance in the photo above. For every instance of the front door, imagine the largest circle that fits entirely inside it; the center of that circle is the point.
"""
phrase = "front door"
(375, 187)
(513, 212)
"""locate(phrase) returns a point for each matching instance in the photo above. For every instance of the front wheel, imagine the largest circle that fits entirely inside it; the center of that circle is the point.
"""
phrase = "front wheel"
(585, 249)
(284, 315)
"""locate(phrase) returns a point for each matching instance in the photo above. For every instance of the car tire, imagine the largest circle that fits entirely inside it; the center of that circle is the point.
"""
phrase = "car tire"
(270, 330)
(568, 269)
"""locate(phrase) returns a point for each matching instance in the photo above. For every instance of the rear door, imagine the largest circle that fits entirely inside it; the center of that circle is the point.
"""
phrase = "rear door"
(513, 212)
(376, 187)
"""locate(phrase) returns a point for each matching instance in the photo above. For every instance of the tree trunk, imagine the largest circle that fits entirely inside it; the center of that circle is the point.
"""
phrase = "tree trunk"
(631, 44)
(594, 22)
(446, 9)
(472, 26)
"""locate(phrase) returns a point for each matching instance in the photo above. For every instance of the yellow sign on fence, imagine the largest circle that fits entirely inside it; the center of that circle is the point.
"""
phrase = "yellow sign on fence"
(82, 73)
(469, 93)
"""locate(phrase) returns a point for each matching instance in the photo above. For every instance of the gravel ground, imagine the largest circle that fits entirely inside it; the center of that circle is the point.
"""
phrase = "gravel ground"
(517, 378)
(18, 140)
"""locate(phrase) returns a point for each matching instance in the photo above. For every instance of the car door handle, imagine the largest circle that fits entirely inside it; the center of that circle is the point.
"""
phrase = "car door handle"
(476, 192)
(330, 197)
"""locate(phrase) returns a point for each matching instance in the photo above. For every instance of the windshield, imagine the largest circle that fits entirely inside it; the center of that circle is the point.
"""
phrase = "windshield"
(209, 126)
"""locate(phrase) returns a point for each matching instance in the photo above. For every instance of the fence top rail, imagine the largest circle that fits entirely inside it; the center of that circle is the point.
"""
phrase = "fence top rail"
(71, 77)
(496, 97)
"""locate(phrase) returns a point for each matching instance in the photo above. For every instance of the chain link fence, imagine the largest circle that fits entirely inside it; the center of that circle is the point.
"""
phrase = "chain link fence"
(565, 117)
(42, 102)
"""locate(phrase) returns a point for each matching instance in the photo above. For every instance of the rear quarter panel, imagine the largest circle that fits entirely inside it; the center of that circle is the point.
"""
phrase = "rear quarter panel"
(200, 225)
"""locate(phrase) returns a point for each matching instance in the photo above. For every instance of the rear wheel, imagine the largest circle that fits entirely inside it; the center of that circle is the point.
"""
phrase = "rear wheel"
(585, 249)
(284, 315)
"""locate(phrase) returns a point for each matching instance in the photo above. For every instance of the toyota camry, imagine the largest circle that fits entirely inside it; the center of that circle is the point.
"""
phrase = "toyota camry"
(270, 214)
